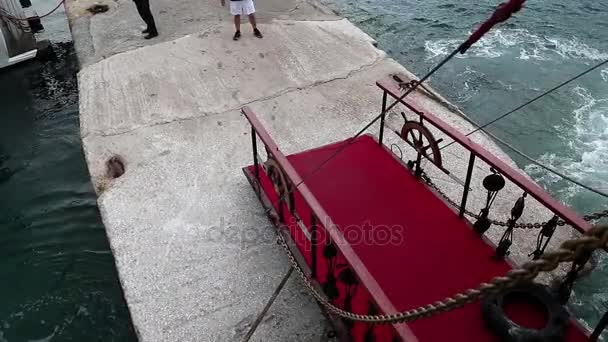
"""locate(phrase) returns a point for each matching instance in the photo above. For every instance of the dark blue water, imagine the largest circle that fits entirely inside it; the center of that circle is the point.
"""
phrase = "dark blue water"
(58, 281)
(57, 276)
(544, 45)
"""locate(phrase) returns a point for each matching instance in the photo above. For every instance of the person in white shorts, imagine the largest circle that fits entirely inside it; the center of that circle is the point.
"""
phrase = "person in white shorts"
(243, 7)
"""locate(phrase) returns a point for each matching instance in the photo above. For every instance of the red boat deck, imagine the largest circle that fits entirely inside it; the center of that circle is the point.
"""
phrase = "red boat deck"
(421, 250)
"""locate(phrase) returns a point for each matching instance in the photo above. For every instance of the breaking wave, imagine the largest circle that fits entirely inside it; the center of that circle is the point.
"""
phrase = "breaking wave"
(528, 46)
(468, 84)
(604, 74)
(586, 134)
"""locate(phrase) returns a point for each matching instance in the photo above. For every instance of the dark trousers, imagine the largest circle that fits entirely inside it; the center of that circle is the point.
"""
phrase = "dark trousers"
(143, 8)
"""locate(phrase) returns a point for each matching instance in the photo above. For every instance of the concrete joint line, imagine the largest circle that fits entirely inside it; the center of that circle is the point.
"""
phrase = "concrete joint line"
(285, 91)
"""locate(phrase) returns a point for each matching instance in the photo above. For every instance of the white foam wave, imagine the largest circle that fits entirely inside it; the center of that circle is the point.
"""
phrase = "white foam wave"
(604, 74)
(586, 133)
(531, 46)
(548, 179)
(575, 49)
(53, 85)
(591, 118)
(443, 47)
(440, 47)
(468, 84)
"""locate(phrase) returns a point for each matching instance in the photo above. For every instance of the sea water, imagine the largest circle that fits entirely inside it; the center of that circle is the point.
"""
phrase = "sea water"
(58, 281)
(545, 44)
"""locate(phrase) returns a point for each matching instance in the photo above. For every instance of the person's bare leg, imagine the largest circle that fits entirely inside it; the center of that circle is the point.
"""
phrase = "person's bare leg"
(256, 32)
(237, 26)
(252, 21)
(237, 22)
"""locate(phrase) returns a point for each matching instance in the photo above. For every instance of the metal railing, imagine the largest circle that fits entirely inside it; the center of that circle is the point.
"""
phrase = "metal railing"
(319, 220)
(289, 182)
(476, 151)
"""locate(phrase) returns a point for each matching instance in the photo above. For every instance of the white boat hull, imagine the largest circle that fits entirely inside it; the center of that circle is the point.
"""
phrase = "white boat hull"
(5, 62)
(17, 42)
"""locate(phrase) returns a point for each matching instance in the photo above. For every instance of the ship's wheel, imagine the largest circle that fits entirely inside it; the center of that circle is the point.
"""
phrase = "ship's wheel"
(279, 182)
(419, 137)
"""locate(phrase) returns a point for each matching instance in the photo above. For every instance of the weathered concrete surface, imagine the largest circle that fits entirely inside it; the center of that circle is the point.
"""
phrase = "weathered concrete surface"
(194, 250)
(296, 55)
(102, 35)
(192, 246)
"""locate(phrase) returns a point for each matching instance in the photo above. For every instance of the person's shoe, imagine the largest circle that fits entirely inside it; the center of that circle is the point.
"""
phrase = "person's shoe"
(151, 34)
(257, 33)
(237, 35)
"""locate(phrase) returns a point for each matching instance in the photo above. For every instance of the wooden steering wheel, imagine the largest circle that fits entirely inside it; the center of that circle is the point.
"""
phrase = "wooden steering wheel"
(421, 139)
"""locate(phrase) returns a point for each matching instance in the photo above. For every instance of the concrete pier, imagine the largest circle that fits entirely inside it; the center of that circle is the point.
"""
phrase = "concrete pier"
(194, 251)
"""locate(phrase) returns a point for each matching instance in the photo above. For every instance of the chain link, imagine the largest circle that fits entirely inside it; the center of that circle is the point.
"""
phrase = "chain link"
(536, 225)
(596, 238)
(596, 216)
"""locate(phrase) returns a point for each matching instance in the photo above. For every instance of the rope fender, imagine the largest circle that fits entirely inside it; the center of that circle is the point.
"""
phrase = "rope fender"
(508, 331)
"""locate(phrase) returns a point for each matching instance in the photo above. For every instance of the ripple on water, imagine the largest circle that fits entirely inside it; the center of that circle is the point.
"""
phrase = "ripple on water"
(540, 47)
(59, 282)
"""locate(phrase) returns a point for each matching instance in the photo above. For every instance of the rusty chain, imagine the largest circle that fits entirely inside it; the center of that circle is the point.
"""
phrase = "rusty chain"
(596, 216)
(570, 250)
(536, 225)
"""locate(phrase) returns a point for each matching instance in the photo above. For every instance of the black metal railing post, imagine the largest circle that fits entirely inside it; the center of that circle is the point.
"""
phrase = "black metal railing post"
(290, 188)
(382, 118)
(467, 185)
(281, 203)
(254, 143)
(418, 171)
(601, 326)
(313, 249)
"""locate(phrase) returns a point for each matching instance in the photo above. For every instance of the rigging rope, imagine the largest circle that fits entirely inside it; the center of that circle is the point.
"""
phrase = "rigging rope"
(531, 101)
(522, 154)
(274, 296)
(536, 225)
(601, 325)
(8, 16)
(502, 13)
(548, 168)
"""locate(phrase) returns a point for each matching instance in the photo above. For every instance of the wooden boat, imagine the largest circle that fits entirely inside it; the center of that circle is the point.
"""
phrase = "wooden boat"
(371, 237)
